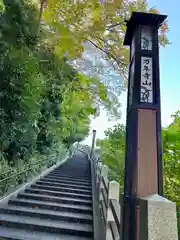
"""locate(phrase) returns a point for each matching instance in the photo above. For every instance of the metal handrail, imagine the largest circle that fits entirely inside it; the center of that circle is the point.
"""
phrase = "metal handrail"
(26, 170)
(105, 186)
(106, 202)
(109, 203)
(104, 197)
(111, 227)
(115, 215)
(113, 209)
(7, 173)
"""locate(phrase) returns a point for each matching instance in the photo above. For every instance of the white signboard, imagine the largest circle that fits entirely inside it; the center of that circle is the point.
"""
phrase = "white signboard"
(146, 80)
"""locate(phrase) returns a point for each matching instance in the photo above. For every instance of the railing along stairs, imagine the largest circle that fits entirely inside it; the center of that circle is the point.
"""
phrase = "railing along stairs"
(107, 197)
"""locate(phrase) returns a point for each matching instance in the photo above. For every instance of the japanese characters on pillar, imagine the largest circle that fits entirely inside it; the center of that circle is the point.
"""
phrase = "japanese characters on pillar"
(146, 87)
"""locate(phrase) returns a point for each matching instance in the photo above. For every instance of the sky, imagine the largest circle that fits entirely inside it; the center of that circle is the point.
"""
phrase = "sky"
(169, 73)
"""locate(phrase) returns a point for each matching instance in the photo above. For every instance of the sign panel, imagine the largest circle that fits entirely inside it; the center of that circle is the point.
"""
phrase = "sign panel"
(146, 38)
(146, 80)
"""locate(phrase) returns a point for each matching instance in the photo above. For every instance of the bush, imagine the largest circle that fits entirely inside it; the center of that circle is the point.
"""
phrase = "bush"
(13, 176)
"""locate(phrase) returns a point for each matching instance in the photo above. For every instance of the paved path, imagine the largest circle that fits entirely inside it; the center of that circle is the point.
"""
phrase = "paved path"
(57, 206)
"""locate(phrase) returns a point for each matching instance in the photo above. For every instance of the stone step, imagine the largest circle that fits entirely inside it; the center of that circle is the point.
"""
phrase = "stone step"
(65, 181)
(61, 178)
(44, 225)
(80, 170)
(43, 182)
(78, 174)
(81, 173)
(69, 167)
(58, 194)
(57, 206)
(51, 206)
(24, 234)
(54, 199)
(63, 189)
(72, 166)
(72, 175)
(47, 214)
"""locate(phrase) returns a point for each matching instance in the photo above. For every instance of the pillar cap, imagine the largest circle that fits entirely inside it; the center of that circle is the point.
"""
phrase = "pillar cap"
(140, 18)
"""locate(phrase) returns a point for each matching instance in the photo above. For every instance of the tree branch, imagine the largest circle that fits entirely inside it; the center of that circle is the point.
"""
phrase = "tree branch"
(107, 53)
(114, 25)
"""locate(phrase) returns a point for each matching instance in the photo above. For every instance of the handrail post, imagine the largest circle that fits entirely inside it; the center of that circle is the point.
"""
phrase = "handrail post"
(102, 200)
(93, 142)
(98, 227)
(98, 173)
(113, 195)
(104, 174)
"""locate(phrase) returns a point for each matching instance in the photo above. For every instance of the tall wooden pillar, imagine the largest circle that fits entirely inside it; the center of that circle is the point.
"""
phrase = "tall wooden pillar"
(143, 161)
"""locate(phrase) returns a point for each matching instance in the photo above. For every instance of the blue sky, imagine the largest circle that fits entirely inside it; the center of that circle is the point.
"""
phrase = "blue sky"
(169, 60)
(169, 71)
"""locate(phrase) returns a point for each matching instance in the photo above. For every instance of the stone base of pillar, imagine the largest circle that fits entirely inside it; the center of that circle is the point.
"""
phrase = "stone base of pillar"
(158, 219)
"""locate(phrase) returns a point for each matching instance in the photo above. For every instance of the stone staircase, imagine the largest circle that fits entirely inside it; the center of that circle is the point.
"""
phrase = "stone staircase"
(57, 206)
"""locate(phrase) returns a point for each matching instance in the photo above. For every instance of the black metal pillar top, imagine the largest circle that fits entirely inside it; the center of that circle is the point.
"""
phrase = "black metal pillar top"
(139, 18)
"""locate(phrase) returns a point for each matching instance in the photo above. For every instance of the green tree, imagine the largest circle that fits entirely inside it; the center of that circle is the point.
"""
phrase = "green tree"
(21, 82)
(171, 150)
(112, 151)
(38, 88)
(101, 24)
(95, 28)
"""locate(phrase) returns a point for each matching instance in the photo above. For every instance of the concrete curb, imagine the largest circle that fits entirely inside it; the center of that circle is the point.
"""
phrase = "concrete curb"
(25, 185)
